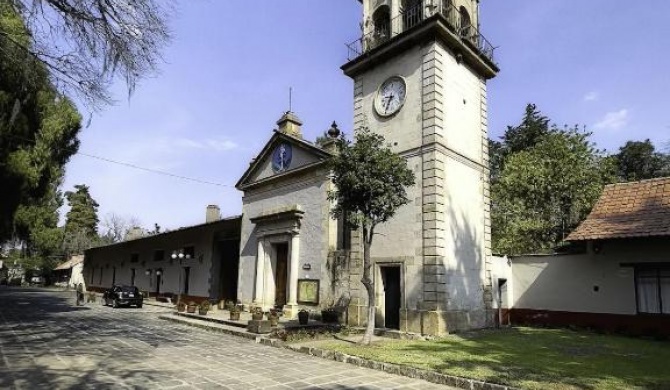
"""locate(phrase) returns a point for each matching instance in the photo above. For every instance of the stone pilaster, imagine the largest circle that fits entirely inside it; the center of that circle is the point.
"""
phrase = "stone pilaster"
(487, 252)
(432, 183)
(359, 115)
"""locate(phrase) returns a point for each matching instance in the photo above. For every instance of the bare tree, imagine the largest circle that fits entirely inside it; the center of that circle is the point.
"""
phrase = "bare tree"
(115, 227)
(85, 44)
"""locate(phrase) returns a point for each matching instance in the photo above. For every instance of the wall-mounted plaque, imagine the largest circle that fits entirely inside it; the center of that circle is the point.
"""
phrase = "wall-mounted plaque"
(308, 291)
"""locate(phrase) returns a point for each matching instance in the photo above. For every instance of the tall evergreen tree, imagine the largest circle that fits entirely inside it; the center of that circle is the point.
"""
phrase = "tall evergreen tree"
(83, 214)
(38, 135)
(81, 224)
(518, 138)
(528, 133)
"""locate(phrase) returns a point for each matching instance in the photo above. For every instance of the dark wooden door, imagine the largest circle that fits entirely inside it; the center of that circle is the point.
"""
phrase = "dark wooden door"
(391, 281)
(281, 274)
(158, 283)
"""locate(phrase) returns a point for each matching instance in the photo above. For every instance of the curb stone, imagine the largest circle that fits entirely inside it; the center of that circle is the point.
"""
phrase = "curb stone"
(416, 373)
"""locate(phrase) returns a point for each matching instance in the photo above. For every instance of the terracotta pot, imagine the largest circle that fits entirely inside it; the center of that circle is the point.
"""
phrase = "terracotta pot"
(257, 315)
(181, 308)
(202, 312)
(235, 315)
(274, 319)
(191, 308)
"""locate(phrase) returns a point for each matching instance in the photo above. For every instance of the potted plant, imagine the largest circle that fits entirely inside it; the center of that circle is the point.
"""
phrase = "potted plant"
(273, 317)
(329, 315)
(190, 308)
(204, 307)
(303, 317)
(234, 313)
(257, 314)
(181, 306)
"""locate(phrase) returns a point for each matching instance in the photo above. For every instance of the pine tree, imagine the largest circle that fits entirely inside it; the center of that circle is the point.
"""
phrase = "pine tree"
(83, 214)
(38, 135)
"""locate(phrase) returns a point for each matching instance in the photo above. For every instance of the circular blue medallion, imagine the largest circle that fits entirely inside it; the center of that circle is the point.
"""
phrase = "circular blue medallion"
(281, 158)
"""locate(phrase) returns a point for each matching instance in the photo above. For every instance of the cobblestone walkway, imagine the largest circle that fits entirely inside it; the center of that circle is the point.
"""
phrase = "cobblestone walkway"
(48, 343)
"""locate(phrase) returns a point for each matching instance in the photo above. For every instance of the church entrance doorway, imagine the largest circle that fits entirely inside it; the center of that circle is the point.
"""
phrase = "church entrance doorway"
(281, 273)
(392, 296)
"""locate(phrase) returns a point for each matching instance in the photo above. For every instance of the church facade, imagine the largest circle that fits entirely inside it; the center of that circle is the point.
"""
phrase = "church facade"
(419, 75)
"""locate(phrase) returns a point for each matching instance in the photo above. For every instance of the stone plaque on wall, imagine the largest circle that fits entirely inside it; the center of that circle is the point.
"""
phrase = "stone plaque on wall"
(308, 291)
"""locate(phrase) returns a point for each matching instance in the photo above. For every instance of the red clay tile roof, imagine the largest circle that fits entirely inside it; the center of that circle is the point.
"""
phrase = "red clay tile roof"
(637, 209)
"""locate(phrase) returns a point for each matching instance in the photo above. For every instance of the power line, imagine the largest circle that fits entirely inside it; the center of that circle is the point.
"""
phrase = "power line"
(165, 173)
(134, 166)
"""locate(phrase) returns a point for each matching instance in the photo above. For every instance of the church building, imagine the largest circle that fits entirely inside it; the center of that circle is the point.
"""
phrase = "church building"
(419, 75)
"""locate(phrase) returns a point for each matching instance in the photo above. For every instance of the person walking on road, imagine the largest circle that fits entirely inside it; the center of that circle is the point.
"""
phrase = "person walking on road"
(80, 294)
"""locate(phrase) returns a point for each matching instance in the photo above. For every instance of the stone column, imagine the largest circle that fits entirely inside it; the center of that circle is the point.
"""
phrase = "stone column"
(260, 274)
(293, 275)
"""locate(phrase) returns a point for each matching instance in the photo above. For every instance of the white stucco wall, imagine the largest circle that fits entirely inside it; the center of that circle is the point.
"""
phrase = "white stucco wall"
(77, 275)
(501, 268)
(462, 107)
(464, 236)
(119, 255)
(308, 193)
(566, 282)
(403, 129)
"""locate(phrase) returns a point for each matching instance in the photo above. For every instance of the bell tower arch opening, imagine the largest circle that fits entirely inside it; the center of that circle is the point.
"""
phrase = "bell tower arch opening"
(465, 22)
(381, 20)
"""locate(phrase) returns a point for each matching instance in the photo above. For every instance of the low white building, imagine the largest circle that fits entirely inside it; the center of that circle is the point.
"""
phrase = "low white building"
(619, 281)
(70, 273)
(196, 262)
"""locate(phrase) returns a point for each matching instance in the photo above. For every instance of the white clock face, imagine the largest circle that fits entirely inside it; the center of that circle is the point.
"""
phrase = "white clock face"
(390, 96)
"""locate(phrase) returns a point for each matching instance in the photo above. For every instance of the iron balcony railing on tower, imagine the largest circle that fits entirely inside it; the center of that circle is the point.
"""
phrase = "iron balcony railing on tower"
(409, 18)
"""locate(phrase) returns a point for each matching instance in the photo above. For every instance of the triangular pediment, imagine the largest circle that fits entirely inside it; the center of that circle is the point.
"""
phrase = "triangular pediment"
(282, 156)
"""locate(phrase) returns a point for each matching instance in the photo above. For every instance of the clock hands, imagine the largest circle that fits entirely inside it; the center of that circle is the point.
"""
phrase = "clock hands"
(388, 102)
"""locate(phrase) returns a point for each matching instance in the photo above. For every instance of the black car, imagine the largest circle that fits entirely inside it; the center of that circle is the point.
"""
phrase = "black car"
(122, 296)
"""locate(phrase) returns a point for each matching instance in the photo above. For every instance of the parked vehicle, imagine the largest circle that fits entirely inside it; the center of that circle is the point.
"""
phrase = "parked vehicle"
(123, 296)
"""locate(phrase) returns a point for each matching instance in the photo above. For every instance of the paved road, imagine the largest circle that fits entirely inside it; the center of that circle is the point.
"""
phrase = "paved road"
(47, 342)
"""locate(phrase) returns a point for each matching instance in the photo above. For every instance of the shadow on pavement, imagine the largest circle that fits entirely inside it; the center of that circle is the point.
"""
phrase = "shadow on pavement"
(47, 342)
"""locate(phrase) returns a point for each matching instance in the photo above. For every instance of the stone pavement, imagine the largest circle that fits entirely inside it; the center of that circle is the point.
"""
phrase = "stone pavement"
(48, 343)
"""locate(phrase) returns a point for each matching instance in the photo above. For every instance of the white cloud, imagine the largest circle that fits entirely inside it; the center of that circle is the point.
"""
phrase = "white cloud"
(217, 145)
(613, 120)
(591, 96)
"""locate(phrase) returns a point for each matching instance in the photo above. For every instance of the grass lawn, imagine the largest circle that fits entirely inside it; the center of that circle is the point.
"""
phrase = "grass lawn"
(531, 358)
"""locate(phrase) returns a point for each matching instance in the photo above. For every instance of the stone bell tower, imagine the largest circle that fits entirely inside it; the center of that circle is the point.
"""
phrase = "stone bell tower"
(420, 70)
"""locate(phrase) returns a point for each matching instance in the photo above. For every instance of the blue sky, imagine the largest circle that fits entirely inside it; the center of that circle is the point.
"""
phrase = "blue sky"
(225, 81)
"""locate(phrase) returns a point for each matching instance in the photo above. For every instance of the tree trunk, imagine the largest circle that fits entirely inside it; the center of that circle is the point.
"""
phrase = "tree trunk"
(369, 284)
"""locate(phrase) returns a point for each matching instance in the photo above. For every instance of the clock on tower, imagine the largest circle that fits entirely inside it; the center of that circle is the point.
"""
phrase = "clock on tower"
(420, 70)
